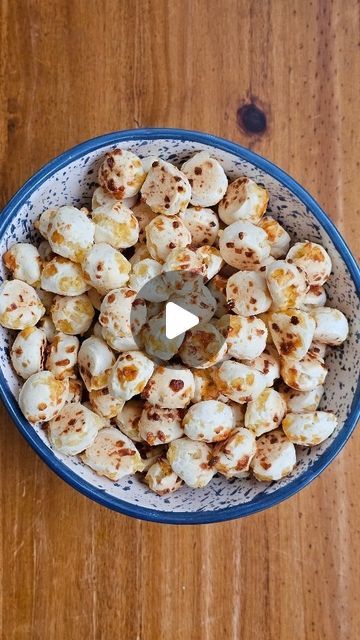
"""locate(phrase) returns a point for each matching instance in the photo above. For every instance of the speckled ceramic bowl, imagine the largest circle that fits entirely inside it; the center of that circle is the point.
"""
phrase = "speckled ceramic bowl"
(70, 179)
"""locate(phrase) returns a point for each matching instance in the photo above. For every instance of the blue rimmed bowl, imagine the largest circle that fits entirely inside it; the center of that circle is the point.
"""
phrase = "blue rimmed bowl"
(70, 179)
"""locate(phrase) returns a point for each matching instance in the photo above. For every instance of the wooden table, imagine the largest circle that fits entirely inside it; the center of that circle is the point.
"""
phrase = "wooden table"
(74, 69)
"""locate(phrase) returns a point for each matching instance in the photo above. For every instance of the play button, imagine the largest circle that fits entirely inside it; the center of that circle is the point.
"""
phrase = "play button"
(178, 320)
(181, 320)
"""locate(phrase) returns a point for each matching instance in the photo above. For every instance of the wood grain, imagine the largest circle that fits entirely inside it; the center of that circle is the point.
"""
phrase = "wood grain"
(73, 69)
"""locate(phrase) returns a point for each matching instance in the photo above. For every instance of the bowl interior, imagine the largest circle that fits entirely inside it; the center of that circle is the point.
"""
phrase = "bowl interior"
(74, 183)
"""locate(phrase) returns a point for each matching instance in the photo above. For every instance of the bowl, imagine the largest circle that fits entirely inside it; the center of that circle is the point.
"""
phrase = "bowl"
(70, 178)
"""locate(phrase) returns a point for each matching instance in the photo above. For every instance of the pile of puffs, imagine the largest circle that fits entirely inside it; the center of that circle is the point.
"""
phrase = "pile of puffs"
(99, 374)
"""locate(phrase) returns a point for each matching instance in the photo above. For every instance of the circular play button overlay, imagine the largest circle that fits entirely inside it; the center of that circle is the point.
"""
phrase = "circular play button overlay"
(181, 321)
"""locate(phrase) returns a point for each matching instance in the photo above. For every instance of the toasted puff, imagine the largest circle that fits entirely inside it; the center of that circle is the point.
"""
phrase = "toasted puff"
(244, 246)
(233, 457)
(121, 173)
(192, 461)
(275, 457)
(209, 421)
(113, 455)
(166, 189)
(310, 428)
(244, 200)
(207, 179)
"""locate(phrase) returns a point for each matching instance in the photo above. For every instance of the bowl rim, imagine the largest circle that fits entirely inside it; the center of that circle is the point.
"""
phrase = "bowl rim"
(77, 482)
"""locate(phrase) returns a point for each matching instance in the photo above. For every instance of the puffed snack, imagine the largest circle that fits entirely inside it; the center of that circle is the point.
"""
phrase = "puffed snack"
(121, 173)
(207, 179)
(244, 200)
(113, 455)
(28, 351)
(275, 456)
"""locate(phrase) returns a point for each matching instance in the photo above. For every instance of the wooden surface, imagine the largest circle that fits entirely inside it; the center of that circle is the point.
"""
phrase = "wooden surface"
(73, 69)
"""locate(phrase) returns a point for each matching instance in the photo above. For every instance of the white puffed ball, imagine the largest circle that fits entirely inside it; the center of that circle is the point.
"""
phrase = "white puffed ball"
(312, 259)
(69, 231)
(308, 429)
(239, 382)
(287, 284)
(20, 306)
(278, 237)
(234, 456)
(245, 337)
(130, 374)
(28, 351)
(265, 413)
(63, 277)
(305, 374)
(191, 461)
(331, 327)
(275, 457)
(104, 404)
(146, 277)
(166, 189)
(211, 260)
(207, 179)
(161, 479)
(113, 455)
(292, 332)
(244, 246)
(244, 200)
(268, 363)
(159, 425)
(202, 347)
(72, 315)
(24, 263)
(122, 317)
(95, 360)
(301, 401)
(121, 173)
(42, 396)
(247, 293)
(165, 233)
(170, 386)
(74, 428)
(128, 418)
(209, 421)
(203, 225)
(156, 344)
(62, 356)
(105, 268)
(116, 225)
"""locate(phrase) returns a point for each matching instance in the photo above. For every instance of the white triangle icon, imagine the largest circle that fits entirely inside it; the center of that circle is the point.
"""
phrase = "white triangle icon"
(178, 320)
